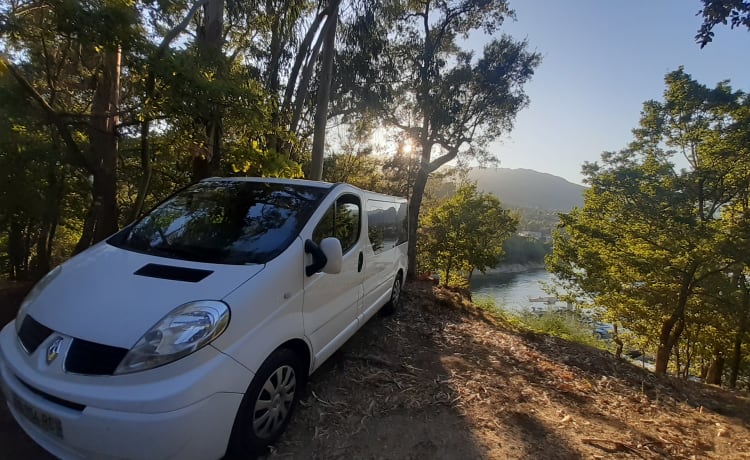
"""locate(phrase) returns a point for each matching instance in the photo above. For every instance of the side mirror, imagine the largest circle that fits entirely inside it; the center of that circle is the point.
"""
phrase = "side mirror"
(331, 247)
(328, 257)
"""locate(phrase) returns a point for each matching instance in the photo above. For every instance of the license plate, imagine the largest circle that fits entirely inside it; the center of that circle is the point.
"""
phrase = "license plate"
(41, 419)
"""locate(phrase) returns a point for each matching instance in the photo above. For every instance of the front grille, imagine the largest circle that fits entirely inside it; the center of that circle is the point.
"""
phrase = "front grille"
(54, 399)
(91, 358)
(32, 334)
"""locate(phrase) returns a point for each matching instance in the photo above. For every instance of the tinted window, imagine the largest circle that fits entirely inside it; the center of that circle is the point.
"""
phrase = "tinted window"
(403, 222)
(342, 221)
(231, 222)
(386, 224)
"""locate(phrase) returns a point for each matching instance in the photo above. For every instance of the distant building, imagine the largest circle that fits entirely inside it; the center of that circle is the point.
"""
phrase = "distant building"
(531, 235)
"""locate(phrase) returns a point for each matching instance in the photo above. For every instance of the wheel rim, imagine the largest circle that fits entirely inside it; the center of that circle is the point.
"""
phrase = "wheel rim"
(396, 293)
(274, 402)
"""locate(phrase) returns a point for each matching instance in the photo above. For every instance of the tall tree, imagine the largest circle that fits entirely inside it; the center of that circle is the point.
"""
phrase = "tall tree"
(66, 59)
(209, 43)
(445, 100)
(324, 93)
(648, 239)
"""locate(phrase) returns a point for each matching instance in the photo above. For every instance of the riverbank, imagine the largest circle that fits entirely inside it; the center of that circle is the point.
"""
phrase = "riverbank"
(514, 268)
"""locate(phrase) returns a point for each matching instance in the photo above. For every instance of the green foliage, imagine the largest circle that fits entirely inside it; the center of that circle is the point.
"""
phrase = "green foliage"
(650, 243)
(715, 12)
(465, 233)
(560, 324)
(488, 307)
(520, 250)
(566, 325)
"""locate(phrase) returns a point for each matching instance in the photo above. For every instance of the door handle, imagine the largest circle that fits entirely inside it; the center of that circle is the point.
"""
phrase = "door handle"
(361, 261)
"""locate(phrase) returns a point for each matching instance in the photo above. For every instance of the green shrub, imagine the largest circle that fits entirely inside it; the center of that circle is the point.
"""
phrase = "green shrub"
(565, 325)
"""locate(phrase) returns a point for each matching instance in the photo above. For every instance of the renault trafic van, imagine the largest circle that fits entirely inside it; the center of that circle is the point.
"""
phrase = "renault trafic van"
(190, 333)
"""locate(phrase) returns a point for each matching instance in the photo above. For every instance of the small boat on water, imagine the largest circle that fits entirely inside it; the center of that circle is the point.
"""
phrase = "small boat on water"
(550, 304)
(546, 300)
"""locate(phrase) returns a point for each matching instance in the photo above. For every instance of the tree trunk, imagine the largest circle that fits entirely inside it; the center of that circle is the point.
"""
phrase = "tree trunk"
(672, 328)
(715, 370)
(103, 151)
(677, 360)
(616, 338)
(415, 203)
(738, 338)
(146, 171)
(324, 95)
(15, 248)
(210, 42)
(87, 232)
(50, 216)
(736, 359)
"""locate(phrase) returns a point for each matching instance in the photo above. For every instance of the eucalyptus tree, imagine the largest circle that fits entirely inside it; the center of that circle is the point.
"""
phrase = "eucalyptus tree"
(446, 100)
(66, 59)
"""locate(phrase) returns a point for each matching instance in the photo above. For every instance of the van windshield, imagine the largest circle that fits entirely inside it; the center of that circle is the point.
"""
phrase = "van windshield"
(227, 222)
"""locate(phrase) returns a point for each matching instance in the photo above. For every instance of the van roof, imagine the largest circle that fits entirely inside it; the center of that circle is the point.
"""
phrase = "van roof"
(273, 180)
(306, 182)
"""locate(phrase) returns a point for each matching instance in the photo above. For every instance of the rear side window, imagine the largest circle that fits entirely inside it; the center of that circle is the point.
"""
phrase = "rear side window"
(342, 220)
(386, 224)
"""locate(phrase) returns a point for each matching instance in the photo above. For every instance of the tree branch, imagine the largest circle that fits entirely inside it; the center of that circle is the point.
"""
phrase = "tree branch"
(76, 155)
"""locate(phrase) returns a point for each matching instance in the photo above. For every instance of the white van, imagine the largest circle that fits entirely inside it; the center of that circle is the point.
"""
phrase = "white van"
(190, 333)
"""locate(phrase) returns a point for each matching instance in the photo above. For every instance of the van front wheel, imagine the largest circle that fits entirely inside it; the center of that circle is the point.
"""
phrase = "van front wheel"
(393, 303)
(268, 404)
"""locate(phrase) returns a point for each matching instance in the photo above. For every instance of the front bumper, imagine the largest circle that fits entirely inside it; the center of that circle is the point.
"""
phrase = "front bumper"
(181, 411)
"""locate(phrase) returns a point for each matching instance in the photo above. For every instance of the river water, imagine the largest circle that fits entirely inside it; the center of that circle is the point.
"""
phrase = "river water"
(511, 291)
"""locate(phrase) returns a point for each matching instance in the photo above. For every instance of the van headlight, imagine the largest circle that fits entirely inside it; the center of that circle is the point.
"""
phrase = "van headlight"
(34, 293)
(186, 329)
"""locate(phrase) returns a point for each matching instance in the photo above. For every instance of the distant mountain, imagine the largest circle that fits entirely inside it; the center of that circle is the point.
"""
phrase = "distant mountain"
(525, 188)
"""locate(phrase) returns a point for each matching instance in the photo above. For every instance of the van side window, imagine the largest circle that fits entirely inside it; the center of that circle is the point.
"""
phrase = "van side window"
(403, 223)
(342, 221)
(383, 226)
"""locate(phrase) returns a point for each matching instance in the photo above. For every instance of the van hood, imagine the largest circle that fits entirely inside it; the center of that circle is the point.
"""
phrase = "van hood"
(113, 296)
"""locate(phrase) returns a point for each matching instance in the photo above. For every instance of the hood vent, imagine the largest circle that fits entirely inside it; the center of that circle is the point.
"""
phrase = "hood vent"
(168, 272)
(32, 333)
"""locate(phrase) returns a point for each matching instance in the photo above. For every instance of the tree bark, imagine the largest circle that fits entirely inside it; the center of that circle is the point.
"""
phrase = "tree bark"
(672, 328)
(738, 338)
(210, 42)
(324, 95)
(616, 338)
(415, 203)
(715, 369)
(104, 148)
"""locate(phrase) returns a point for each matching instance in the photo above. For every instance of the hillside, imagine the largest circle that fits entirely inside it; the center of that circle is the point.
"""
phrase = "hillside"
(525, 188)
(442, 380)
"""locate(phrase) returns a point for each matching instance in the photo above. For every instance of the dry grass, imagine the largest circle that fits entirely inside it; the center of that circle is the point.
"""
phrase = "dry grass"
(442, 379)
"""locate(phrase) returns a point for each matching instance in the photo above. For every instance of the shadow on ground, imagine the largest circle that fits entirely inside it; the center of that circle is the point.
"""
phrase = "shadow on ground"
(14, 444)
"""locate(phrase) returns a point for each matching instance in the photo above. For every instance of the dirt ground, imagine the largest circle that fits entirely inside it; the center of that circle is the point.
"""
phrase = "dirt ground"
(440, 380)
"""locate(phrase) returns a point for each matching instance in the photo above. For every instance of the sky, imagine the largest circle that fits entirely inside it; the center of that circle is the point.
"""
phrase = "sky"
(601, 60)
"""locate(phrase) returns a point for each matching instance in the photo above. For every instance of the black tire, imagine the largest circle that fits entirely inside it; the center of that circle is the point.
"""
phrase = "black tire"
(277, 385)
(395, 300)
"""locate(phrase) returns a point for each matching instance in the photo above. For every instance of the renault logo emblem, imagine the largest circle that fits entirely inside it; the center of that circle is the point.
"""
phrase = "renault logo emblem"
(53, 351)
